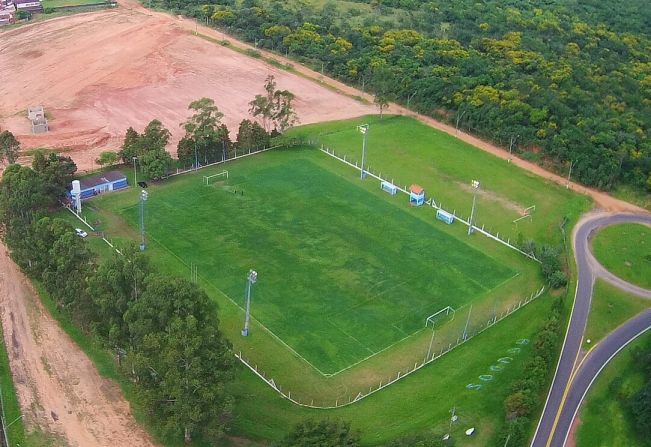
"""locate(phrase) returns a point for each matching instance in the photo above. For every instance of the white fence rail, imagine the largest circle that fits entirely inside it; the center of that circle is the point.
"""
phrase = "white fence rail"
(351, 399)
(430, 202)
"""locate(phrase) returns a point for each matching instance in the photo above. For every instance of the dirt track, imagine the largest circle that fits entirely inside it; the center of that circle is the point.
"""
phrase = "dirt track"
(59, 388)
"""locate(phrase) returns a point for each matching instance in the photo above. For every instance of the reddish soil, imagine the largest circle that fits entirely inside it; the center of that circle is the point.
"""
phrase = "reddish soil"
(97, 74)
(59, 388)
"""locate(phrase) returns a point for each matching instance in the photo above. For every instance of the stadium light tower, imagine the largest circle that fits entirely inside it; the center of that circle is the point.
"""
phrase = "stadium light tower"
(475, 188)
(363, 129)
(143, 198)
(250, 280)
(135, 173)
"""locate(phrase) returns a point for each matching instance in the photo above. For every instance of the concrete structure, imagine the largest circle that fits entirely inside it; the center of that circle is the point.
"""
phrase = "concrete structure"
(7, 17)
(105, 182)
(39, 125)
(35, 111)
(28, 5)
(36, 114)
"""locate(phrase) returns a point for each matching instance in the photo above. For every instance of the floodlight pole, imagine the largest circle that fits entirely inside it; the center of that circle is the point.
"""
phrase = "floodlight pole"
(363, 129)
(135, 172)
(250, 280)
(465, 329)
(143, 198)
(475, 188)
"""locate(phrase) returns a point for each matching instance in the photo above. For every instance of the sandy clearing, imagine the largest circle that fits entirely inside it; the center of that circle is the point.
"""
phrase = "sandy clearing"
(97, 74)
(59, 389)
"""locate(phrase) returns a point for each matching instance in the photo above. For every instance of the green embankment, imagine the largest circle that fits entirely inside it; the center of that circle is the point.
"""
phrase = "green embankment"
(610, 308)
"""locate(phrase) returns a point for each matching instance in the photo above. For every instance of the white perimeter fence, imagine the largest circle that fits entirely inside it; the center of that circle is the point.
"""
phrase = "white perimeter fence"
(429, 202)
(351, 399)
(306, 402)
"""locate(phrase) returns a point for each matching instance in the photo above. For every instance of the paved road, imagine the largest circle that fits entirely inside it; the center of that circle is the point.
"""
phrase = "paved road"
(553, 427)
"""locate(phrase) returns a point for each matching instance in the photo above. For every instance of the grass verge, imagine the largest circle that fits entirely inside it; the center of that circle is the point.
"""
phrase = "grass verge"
(625, 250)
(610, 308)
(604, 419)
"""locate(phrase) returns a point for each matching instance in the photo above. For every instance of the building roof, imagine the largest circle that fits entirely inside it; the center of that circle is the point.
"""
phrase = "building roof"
(416, 189)
(105, 177)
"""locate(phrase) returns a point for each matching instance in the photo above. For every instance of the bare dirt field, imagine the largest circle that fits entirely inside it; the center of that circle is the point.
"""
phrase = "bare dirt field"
(59, 389)
(97, 74)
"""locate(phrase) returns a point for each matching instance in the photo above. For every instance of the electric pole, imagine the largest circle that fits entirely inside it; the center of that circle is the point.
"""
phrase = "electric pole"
(135, 173)
(250, 280)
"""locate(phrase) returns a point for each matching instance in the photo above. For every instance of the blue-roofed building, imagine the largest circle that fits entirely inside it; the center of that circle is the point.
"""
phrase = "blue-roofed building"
(105, 182)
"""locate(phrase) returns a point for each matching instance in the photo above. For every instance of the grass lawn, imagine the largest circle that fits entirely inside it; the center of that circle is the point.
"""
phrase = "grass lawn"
(610, 308)
(625, 250)
(408, 151)
(605, 421)
(343, 273)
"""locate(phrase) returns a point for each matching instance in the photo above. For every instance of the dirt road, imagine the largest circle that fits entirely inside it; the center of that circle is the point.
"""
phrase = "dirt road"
(59, 389)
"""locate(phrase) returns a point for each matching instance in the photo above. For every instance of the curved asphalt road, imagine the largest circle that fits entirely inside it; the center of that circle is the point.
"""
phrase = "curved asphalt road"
(563, 402)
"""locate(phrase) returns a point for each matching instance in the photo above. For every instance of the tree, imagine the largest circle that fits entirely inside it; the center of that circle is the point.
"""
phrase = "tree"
(130, 147)
(381, 100)
(323, 433)
(149, 147)
(180, 358)
(275, 107)
(116, 284)
(204, 133)
(251, 136)
(9, 147)
(156, 163)
(56, 172)
(107, 158)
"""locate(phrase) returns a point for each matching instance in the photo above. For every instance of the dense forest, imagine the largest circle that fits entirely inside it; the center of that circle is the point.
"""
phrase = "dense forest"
(566, 83)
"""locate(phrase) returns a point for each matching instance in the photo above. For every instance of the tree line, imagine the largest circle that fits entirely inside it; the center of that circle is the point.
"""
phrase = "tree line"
(206, 138)
(567, 84)
(164, 331)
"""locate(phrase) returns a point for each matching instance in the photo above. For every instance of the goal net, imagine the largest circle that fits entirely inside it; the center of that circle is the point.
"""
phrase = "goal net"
(438, 316)
(209, 179)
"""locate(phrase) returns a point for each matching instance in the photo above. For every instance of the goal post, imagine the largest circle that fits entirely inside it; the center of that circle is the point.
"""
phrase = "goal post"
(208, 179)
(438, 316)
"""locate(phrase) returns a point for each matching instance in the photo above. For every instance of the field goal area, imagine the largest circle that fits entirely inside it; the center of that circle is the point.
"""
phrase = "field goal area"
(208, 179)
(438, 316)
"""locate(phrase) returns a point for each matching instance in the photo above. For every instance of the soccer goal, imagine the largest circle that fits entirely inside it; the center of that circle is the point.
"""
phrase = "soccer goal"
(438, 316)
(208, 179)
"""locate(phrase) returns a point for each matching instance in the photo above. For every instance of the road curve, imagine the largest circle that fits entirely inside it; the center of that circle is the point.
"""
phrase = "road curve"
(552, 428)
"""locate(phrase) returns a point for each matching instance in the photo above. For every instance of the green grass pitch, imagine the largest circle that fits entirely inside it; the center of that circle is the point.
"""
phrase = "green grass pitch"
(343, 272)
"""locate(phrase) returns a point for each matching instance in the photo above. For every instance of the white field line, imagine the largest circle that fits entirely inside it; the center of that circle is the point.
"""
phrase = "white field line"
(433, 204)
(400, 375)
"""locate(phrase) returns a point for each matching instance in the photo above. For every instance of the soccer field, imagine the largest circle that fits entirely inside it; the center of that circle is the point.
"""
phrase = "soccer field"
(343, 272)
